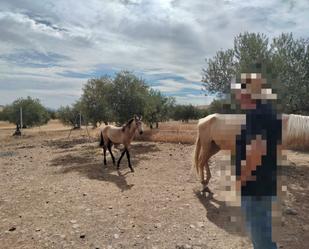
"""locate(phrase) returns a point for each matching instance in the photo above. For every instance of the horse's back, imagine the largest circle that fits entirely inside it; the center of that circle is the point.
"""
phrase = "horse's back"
(221, 128)
(205, 122)
(222, 119)
(204, 127)
(113, 133)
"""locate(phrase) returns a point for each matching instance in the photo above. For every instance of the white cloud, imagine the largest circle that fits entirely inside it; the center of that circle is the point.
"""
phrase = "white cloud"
(167, 36)
(170, 86)
(194, 99)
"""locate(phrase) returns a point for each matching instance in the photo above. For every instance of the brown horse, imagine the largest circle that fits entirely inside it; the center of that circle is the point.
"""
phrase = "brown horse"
(120, 135)
(218, 132)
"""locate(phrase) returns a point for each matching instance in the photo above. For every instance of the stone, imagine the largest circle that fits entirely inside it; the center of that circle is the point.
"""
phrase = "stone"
(306, 227)
(200, 224)
(290, 211)
(158, 225)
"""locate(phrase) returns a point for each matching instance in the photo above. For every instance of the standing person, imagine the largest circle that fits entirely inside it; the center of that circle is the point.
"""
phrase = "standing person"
(257, 148)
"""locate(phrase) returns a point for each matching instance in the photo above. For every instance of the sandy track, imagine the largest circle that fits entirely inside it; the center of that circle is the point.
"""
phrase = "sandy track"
(56, 194)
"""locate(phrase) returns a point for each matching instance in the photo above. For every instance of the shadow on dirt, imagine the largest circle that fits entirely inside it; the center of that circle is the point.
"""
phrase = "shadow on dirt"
(91, 164)
(297, 177)
(295, 172)
(223, 216)
(68, 143)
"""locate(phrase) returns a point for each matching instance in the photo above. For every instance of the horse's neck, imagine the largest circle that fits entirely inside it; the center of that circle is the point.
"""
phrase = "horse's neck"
(132, 131)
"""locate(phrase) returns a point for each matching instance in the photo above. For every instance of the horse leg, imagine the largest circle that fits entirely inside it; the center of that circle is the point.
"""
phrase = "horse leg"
(129, 162)
(208, 176)
(212, 151)
(104, 154)
(204, 181)
(203, 163)
(122, 154)
(109, 147)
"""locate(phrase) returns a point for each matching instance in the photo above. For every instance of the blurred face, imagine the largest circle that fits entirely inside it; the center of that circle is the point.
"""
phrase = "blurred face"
(247, 91)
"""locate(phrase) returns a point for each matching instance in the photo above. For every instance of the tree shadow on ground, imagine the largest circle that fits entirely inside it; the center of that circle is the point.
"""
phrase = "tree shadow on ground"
(91, 164)
(223, 216)
(65, 143)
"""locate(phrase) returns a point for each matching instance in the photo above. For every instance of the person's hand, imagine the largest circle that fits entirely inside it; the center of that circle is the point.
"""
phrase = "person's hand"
(254, 153)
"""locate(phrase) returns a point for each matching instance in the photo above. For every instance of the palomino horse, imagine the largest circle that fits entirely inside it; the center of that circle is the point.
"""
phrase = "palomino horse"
(218, 132)
(120, 135)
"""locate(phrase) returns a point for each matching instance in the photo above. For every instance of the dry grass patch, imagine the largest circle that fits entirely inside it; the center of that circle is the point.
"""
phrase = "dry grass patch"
(172, 132)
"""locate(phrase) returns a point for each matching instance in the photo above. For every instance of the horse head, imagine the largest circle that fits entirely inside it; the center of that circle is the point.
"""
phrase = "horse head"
(139, 124)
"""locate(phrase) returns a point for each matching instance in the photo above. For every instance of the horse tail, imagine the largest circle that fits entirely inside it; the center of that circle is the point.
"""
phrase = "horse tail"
(203, 145)
(297, 133)
(101, 139)
(197, 151)
(201, 155)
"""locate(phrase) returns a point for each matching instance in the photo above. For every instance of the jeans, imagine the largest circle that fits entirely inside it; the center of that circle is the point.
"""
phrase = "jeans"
(259, 220)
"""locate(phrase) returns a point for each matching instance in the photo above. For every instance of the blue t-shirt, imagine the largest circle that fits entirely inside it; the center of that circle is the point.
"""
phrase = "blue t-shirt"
(262, 121)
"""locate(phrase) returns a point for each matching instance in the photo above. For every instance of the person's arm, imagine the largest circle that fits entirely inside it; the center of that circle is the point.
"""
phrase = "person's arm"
(254, 153)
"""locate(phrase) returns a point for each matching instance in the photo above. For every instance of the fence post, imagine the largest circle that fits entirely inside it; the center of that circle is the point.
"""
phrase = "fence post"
(21, 117)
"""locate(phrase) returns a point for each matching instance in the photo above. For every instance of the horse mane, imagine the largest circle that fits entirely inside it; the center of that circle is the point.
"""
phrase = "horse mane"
(298, 131)
(128, 124)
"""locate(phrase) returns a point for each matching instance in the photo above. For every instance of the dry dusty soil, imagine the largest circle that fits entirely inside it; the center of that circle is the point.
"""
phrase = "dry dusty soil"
(55, 193)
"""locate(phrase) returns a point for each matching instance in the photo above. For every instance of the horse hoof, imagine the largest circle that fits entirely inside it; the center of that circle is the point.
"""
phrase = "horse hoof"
(206, 190)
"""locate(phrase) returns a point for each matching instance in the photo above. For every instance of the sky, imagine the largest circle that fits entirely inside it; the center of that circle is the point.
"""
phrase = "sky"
(49, 48)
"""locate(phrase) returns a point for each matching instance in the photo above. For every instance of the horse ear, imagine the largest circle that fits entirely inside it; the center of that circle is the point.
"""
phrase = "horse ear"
(140, 118)
(135, 117)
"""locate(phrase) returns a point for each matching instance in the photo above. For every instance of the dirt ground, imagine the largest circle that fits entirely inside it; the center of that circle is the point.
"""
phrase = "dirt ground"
(55, 193)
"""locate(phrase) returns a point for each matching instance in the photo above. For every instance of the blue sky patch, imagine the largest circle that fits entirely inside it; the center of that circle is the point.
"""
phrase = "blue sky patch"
(34, 59)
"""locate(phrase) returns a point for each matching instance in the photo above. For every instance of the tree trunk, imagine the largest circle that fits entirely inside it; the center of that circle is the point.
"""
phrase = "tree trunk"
(17, 131)
(157, 125)
(151, 127)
